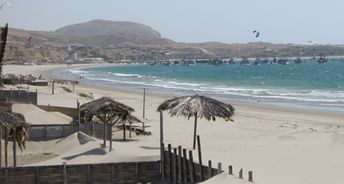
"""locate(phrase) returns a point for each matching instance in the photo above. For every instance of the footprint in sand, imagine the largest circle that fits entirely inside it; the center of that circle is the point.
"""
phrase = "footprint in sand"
(288, 125)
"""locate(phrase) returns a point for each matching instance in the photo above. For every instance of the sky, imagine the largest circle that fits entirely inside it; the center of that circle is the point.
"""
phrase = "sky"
(228, 21)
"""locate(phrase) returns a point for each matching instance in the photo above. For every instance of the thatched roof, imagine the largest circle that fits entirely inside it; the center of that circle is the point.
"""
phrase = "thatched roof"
(15, 121)
(203, 106)
(107, 106)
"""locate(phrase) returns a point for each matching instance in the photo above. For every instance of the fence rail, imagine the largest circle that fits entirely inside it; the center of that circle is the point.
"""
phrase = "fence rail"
(20, 96)
(127, 172)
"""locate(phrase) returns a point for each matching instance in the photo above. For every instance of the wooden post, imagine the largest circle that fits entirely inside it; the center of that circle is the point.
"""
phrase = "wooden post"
(130, 129)
(200, 156)
(78, 109)
(162, 157)
(0, 146)
(36, 99)
(92, 129)
(11, 95)
(240, 174)
(6, 145)
(104, 135)
(161, 128)
(144, 103)
(110, 128)
(6, 176)
(219, 168)
(170, 162)
(124, 135)
(180, 166)
(27, 96)
(192, 168)
(45, 131)
(52, 87)
(250, 176)
(73, 86)
(14, 148)
(230, 170)
(195, 129)
(19, 99)
(210, 169)
(175, 166)
(137, 172)
(37, 175)
(65, 173)
(185, 166)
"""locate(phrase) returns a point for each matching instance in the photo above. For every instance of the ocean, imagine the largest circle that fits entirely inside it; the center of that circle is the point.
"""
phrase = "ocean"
(305, 85)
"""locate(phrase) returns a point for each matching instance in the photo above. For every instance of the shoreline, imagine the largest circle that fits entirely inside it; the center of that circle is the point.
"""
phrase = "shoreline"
(47, 72)
(261, 138)
(282, 106)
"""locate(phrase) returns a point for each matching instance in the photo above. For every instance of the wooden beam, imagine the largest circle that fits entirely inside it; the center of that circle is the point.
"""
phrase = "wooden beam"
(250, 176)
(110, 127)
(170, 162)
(144, 103)
(175, 166)
(161, 128)
(210, 169)
(192, 168)
(195, 130)
(185, 166)
(200, 156)
(65, 173)
(14, 148)
(230, 170)
(0, 146)
(124, 136)
(6, 145)
(180, 165)
(163, 162)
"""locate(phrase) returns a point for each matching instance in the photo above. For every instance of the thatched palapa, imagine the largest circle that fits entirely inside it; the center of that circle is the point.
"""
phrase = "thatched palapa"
(109, 112)
(15, 122)
(199, 107)
(15, 125)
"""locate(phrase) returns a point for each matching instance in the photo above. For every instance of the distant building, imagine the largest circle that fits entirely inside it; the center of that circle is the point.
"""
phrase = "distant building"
(75, 56)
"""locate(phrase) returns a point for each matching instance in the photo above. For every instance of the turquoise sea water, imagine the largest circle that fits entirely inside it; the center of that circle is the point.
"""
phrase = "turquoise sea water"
(308, 83)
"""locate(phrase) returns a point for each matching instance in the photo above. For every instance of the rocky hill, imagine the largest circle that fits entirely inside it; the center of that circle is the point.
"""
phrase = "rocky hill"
(115, 41)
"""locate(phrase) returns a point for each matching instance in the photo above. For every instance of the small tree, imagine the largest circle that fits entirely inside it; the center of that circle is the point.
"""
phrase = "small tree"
(3, 39)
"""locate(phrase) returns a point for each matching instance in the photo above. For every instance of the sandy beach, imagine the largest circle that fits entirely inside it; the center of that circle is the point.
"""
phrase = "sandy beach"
(279, 144)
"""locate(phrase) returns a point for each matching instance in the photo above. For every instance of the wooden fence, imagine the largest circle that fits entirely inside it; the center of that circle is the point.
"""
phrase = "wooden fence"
(178, 166)
(128, 172)
(20, 96)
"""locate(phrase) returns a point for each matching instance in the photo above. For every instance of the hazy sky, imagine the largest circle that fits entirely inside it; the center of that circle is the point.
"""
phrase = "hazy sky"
(279, 21)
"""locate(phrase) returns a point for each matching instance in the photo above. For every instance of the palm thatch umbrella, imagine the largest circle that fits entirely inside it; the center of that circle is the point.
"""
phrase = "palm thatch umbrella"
(15, 124)
(199, 107)
(109, 112)
(3, 39)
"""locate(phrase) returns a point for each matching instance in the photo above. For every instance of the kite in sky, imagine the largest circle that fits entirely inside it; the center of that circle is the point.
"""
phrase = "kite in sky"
(257, 33)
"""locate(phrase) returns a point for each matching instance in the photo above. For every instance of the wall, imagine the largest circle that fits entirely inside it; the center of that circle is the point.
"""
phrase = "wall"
(71, 112)
(44, 132)
(20, 96)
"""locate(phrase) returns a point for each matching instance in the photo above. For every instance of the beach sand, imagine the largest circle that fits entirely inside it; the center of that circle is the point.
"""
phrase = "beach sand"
(280, 145)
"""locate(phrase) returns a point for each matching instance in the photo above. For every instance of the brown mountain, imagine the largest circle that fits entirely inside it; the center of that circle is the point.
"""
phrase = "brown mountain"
(103, 33)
